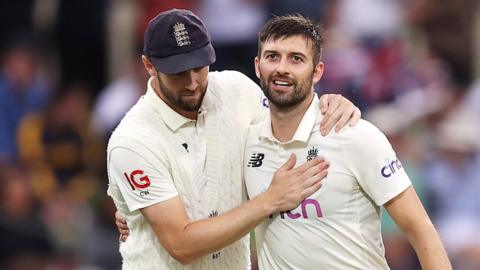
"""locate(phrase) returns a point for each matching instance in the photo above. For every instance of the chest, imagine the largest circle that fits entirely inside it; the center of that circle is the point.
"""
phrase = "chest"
(337, 194)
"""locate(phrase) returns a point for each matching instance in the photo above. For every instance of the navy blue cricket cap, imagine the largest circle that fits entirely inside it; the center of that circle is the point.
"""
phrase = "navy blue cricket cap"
(177, 40)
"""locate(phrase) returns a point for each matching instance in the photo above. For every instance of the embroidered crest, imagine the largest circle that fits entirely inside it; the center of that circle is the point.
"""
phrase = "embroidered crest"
(312, 153)
(181, 35)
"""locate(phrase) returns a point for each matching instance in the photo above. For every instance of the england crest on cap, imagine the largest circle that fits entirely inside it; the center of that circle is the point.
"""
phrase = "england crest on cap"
(181, 34)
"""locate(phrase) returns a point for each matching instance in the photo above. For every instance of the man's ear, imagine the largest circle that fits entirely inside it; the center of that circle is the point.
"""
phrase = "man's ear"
(257, 68)
(148, 66)
(318, 72)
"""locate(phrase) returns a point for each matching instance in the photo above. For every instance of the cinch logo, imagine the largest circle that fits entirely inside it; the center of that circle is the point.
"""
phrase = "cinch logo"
(391, 168)
(304, 214)
(135, 181)
(256, 160)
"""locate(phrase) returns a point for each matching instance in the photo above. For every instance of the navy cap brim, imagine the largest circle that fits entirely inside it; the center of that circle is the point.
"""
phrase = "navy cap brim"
(174, 64)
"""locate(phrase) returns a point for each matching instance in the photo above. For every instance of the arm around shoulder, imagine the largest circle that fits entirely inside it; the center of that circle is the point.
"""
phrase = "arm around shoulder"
(187, 241)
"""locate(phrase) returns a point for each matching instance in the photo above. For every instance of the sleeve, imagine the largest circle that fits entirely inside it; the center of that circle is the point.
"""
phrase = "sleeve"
(140, 183)
(252, 95)
(371, 158)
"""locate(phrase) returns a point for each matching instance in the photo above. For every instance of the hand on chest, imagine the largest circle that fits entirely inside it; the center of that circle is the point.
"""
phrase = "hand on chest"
(336, 192)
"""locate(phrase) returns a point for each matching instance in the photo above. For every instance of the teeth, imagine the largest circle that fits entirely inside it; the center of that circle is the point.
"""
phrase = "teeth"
(281, 83)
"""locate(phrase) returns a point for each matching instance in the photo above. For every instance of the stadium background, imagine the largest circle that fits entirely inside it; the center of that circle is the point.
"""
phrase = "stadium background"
(70, 69)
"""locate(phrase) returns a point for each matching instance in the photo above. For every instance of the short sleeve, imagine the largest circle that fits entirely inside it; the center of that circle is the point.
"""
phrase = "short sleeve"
(373, 161)
(140, 183)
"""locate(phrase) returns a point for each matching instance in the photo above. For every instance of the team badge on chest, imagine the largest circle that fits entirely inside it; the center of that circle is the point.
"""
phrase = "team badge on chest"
(312, 153)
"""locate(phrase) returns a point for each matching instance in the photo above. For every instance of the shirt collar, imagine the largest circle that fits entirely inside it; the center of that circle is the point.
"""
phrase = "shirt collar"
(304, 129)
(172, 119)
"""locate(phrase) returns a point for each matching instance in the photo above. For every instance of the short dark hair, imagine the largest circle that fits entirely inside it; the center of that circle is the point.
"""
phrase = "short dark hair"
(291, 25)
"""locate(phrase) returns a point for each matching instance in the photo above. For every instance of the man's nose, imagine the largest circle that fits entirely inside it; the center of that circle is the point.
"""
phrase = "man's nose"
(192, 80)
(283, 66)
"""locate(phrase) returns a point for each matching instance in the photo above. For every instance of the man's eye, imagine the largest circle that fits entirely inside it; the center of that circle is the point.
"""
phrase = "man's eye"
(271, 56)
(297, 58)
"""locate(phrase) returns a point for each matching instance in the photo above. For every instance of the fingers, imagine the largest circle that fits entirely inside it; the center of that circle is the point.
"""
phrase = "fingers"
(121, 224)
(340, 112)
(119, 217)
(123, 229)
(357, 114)
(123, 238)
(314, 177)
(330, 115)
(312, 189)
(314, 170)
(309, 164)
(324, 103)
(344, 119)
(289, 164)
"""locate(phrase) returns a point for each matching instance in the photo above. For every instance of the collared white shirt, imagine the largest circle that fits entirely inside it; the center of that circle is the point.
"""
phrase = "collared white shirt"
(188, 137)
(155, 154)
(338, 227)
(191, 149)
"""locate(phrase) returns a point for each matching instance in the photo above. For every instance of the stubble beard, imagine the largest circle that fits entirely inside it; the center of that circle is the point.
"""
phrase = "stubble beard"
(177, 101)
(284, 101)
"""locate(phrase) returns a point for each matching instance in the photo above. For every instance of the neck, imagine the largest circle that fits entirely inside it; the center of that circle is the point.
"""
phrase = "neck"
(188, 114)
(285, 121)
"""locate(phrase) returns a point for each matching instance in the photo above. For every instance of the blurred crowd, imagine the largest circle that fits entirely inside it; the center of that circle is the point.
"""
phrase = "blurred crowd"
(69, 70)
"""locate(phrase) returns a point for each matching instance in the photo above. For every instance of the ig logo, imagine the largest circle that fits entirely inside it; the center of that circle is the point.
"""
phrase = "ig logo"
(137, 179)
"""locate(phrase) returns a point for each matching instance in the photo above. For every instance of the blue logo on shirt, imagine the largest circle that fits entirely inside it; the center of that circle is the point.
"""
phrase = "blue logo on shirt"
(391, 168)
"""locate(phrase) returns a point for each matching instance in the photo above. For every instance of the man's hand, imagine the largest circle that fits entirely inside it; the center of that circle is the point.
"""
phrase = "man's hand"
(337, 111)
(187, 240)
(121, 226)
(290, 186)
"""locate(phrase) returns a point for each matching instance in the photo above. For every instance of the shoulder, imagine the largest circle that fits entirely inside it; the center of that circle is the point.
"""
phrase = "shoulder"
(363, 132)
(365, 142)
(228, 76)
(134, 132)
(234, 82)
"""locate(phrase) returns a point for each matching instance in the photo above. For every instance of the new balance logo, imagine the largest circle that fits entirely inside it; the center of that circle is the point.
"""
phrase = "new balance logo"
(256, 160)
(213, 213)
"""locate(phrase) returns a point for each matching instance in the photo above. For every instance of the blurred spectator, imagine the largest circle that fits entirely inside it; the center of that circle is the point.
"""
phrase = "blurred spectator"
(22, 90)
(452, 175)
(365, 53)
(25, 240)
(117, 98)
(234, 27)
(58, 144)
(439, 22)
(66, 160)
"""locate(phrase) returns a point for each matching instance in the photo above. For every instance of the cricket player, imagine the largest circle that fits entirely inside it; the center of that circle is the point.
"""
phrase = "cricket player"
(338, 227)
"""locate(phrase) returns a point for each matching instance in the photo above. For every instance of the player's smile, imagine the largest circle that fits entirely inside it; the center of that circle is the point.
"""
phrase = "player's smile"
(282, 84)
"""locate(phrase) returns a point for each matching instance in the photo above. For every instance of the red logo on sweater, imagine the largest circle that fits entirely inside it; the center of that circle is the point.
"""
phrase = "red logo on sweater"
(137, 179)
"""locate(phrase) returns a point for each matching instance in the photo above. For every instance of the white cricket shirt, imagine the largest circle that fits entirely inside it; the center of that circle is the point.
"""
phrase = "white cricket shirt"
(338, 227)
(156, 154)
